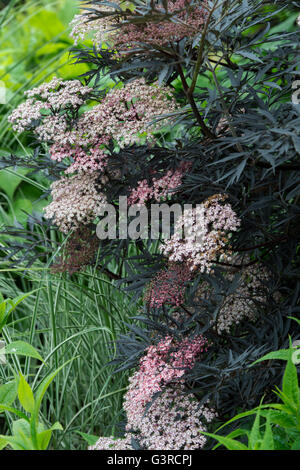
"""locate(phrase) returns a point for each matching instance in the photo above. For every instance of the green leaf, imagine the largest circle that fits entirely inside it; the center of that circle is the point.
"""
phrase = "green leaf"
(282, 419)
(22, 427)
(3, 442)
(22, 348)
(89, 438)
(2, 313)
(13, 410)
(235, 433)
(9, 182)
(8, 393)
(21, 208)
(25, 395)
(19, 442)
(41, 390)
(296, 319)
(296, 444)
(290, 384)
(43, 439)
(267, 441)
(230, 444)
(17, 300)
(255, 436)
(56, 427)
(283, 354)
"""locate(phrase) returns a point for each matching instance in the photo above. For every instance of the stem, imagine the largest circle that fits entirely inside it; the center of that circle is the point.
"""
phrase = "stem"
(206, 131)
(226, 110)
(200, 51)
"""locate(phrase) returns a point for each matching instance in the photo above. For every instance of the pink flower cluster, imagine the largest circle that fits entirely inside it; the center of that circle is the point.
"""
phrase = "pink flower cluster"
(207, 230)
(184, 20)
(168, 286)
(124, 115)
(163, 363)
(174, 419)
(160, 187)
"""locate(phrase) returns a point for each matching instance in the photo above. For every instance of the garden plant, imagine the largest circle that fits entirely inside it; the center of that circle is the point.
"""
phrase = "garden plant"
(160, 271)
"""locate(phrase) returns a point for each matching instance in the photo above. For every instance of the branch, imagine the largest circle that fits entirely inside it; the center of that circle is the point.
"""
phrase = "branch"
(200, 51)
(206, 131)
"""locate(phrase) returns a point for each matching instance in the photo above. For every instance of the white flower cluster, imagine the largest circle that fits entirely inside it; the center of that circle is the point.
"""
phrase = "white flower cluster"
(45, 100)
(242, 303)
(125, 114)
(174, 421)
(112, 443)
(82, 27)
(206, 234)
(76, 201)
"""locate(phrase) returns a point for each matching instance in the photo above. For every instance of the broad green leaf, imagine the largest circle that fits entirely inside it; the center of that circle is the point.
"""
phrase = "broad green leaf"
(22, 349)
(8, 393)
(9, 182)
(2, 312)
(19, 442)
(21, 208)
(22, 427)
(25, 395)
(43, 439)
(41, 390)
(89, 438)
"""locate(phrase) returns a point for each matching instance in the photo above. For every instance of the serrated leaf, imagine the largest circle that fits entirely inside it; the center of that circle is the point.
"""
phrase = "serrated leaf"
(255, 436)
(290, 386)
(267, 441)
